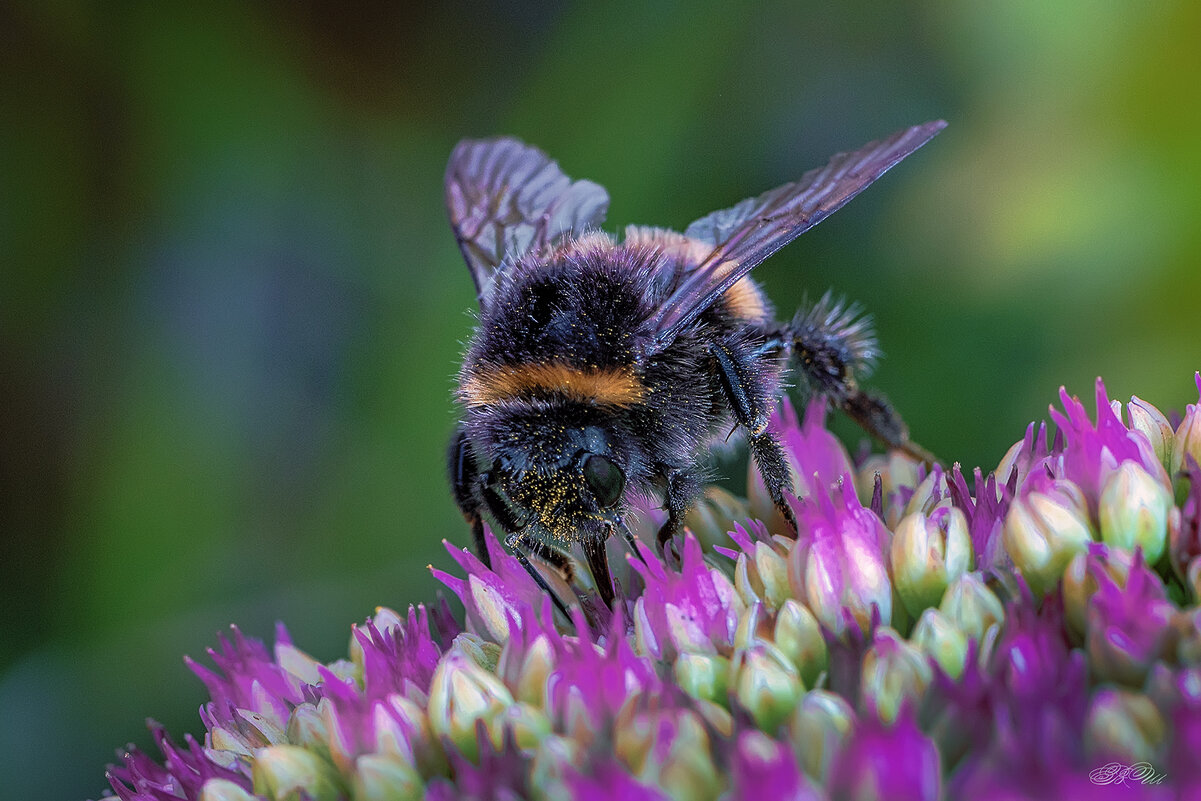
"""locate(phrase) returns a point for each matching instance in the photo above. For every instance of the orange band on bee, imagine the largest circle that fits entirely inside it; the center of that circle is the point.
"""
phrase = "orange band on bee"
(617, 386)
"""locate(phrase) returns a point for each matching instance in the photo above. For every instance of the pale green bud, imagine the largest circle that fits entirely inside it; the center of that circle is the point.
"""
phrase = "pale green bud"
(767, 684)
(716, 716)
(1151, 422)
(307, 727)
(817, 729)
(247, 732)
(402, 730)
(939, 639)
(773, 574)
(1043, 531)
(528, 724)
(894, 673)
(927, 553)
(535, 668)
(494, 610)
(970, 606)
(922, 501)
(1009, 461)
(297, 663)
(714, 515)
(747, 582)
(1134, 510)
(1187, 439)
(703, 676)
(380, 777)
(798, 635)
(896, 470)
(484, 653)
(753, 627)
(223, 790)
(289, 772)
(681, 762)
(461, 692)
(1123, 724)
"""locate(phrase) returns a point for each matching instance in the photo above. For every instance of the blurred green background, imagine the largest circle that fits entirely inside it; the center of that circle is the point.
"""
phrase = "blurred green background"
(231, 306)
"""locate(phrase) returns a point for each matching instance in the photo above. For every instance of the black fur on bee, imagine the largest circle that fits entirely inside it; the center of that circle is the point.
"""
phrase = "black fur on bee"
(602, 367)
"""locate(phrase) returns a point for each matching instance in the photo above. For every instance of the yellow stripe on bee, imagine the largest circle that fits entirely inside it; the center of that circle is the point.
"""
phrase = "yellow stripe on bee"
(744, 299)
(614, 386)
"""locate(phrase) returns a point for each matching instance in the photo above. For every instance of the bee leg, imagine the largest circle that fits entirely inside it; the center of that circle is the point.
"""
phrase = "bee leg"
(464, 485)
(683, 486)
(876, 416)
(751, 405)
(517, 543)
(598, 563)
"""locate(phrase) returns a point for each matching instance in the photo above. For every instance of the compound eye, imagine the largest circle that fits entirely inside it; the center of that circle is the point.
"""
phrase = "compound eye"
(605, 479)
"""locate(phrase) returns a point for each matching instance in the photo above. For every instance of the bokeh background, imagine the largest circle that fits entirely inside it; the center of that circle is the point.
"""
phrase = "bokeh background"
(231, 307)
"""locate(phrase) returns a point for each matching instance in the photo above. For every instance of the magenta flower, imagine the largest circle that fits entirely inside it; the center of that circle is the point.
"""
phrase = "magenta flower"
(1129, 628)
(888, 761)
(1092, 452)
(840, 562)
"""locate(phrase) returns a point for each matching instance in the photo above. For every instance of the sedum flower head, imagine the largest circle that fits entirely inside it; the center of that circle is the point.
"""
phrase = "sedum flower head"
(931, 633)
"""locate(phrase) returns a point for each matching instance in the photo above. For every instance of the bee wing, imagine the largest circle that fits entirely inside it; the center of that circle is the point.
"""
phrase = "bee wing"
(506, 199)
(744, 235)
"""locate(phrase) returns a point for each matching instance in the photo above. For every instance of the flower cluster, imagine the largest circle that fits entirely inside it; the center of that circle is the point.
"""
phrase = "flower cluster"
(1032, 633)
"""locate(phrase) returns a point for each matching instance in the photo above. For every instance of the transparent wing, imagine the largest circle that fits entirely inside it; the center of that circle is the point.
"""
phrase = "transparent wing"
(744, 235)
(506, 199)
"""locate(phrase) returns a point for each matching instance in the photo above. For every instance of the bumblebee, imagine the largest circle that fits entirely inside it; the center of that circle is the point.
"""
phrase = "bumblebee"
(601, 367)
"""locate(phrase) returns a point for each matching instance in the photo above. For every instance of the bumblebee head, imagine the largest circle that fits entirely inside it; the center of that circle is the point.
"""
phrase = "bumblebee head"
(554, 479)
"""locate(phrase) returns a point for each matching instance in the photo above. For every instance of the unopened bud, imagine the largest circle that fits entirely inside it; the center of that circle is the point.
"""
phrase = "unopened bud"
(461, 692)
(380, 777)
(927, 553)
(703, 675)
(1134, 511)
(798, 635)
(668, 749)
(536, 666)
(767, 684)
(1187, 439)
(1043, 531)
(895, 673)
(970, 606)
(715, 514)
(1152, 424)
(818, 728)
(224, 790)
(1124, 725)
(290, 772)
(939, 639)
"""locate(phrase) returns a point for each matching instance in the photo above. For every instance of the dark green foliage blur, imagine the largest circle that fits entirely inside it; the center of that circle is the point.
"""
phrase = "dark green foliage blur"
(231, 307)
